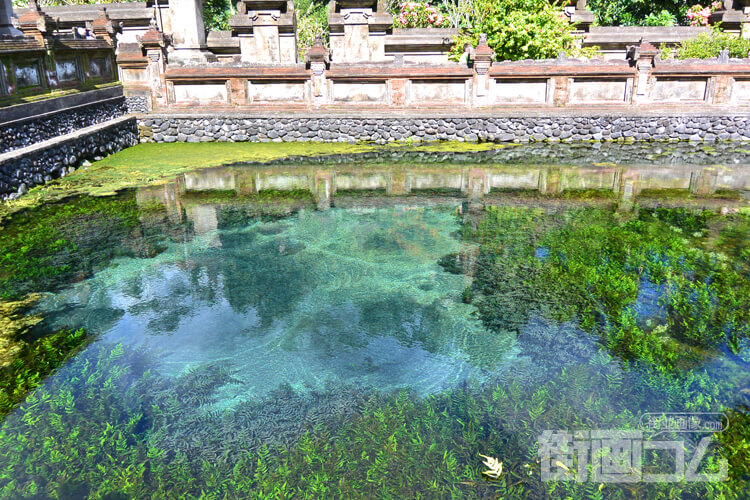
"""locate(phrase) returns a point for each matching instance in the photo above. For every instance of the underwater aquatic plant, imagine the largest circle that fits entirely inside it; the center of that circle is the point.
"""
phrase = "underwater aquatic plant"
(494, 467)
(563, 290)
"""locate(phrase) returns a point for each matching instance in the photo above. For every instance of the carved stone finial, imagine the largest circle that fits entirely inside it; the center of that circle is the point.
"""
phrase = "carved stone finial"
(318, 52)
(152, 25)
(34, 6)
(483, 52)
(724, 56)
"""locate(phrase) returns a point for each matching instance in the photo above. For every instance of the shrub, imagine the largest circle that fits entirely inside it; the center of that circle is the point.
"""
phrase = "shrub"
(525, 29)
(216, 14)
(663, 18)
(698, 15)
(708, 45)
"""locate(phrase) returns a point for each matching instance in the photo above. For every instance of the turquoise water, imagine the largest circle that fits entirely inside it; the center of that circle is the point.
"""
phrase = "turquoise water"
(342, 296)
(250, 345)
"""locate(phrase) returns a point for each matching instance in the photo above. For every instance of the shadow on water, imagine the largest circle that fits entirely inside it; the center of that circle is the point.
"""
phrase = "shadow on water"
(367, 329)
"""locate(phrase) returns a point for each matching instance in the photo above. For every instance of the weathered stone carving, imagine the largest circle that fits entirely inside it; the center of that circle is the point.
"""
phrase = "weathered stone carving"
(318, 59)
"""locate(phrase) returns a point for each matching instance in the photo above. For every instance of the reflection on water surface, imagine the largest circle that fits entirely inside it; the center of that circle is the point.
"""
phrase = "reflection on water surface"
(367, 329)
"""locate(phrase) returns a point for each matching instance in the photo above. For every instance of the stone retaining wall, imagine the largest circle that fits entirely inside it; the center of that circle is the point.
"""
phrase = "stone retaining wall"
(19, 170)
(23, 133)
(164, 128)
(137, 104)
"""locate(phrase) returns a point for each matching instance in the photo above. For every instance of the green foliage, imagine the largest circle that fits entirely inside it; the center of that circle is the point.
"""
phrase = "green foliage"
(529, 29)
(708, 45)
(216, 14)
(640, 12)
(663, 18)
(312, 20)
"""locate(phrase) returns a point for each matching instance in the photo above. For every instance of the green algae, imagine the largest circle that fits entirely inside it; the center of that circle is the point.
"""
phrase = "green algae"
(111, 439)
(14, 324)
(597, 261)
(153, 163)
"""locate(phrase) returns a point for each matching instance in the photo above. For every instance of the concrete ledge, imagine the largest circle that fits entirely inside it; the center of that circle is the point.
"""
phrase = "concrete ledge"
(41, 109)
(40, 146)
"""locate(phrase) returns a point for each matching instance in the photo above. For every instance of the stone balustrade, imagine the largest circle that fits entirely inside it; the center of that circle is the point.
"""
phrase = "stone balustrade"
(171, 63)
(640, 81)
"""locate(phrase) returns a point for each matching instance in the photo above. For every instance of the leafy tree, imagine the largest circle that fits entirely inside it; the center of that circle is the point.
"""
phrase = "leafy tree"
(312, 20)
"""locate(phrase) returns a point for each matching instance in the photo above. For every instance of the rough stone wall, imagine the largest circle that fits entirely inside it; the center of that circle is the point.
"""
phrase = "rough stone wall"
(27, 132)
(37, 167)
(515, 129)
(137, 104)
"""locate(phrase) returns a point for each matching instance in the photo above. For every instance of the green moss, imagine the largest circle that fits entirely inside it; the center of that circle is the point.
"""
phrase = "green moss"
(34, 95)
(152, 163)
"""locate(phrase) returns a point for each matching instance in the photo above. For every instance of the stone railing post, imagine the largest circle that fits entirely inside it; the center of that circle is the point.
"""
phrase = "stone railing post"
(154, 46)
(483, 55)
(644, 56)
(317, 57)
(721, 84)
(6, 14)
(188, 32)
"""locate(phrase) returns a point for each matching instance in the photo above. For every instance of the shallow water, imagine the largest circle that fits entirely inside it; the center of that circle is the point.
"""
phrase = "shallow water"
(370, 332)
(342, 296)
